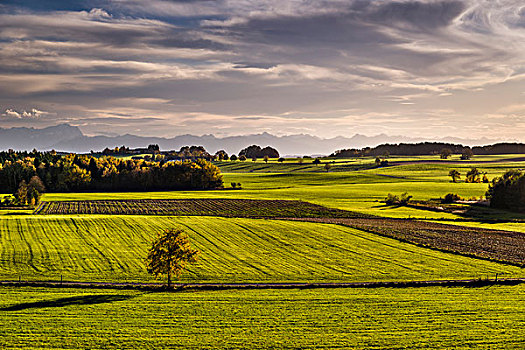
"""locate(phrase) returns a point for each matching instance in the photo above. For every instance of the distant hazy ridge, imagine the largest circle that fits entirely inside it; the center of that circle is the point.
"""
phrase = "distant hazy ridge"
(69, 138)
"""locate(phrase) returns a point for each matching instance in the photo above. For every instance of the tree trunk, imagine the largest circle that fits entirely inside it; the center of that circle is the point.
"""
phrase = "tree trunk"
(169, 279)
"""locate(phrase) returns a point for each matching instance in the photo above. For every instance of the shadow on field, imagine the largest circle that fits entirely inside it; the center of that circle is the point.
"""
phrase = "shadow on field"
(79, 300)
(387, 206)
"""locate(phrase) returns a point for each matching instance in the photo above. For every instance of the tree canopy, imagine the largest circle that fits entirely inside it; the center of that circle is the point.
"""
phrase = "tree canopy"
(473, 175)
(445, 153)
(69, 173)
(508, 191)
(454, 174)
(426, 148)
(170, 253)
(255, 151)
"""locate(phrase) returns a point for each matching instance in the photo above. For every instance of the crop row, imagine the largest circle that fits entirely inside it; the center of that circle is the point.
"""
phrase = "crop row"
(505, 246)
(193, 207)
(113, 248)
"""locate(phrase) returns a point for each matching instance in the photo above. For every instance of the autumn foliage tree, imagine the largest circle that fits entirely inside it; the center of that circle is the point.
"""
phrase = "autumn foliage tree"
(170, 253)
(70, 173)
(29, 194)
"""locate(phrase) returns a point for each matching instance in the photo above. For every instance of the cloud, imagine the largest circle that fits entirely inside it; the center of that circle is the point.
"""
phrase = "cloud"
(99, 14)
(23, 114)
(271, 63)
(429, 15)
(10, 113)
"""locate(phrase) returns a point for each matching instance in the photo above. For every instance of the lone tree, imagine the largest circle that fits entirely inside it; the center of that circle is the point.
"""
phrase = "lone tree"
(455, 175)
(170, 253)
(473, 175)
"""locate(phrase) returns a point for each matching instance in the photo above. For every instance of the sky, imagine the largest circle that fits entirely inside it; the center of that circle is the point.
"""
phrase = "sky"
(231, 67)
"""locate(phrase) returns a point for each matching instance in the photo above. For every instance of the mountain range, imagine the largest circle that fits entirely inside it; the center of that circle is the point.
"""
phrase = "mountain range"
(69, 138)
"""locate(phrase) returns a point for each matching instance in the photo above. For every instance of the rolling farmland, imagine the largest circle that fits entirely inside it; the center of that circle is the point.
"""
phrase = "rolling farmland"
(504, 246)
(241, 174)
(113, 248)
(104, 237)
(360, 191)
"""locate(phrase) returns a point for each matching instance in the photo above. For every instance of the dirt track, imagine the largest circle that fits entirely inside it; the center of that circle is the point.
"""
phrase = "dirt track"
(291, 285)
(463, 162)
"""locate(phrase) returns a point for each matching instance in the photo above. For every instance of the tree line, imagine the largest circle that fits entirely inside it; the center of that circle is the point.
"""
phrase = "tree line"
(430, 148)
(192, 152)
(70, 173)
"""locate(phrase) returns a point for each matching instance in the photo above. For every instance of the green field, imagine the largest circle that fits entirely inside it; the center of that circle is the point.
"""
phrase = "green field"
(433, 317)
(113, 248)
(507, 226)
(350, 191)
(352, 164)
(339, 192)
(361, 190)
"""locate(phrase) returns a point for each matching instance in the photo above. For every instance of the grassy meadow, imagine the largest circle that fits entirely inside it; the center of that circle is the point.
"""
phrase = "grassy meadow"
(432, 317)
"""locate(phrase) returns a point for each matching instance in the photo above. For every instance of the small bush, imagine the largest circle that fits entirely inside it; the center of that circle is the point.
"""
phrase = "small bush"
(451, 198)
(9, 201)
(392, 199)
(405, 198)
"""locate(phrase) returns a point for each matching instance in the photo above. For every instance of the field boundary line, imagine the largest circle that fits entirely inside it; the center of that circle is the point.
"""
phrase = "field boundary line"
(462, 162)
(269, 285)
